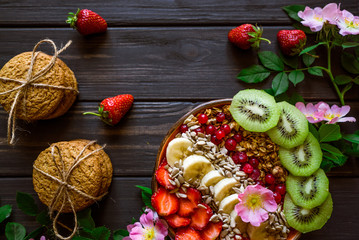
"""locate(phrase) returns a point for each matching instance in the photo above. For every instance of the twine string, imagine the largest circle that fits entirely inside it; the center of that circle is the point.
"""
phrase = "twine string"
(30, 81)
(62, 192)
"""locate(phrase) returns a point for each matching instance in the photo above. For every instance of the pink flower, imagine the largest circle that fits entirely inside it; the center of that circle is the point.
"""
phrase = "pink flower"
(331, 13)
(313, 18)
(150, 227)
(311, 112)
(255, 203)
(334, 114)
(41, 238)
(348, 23)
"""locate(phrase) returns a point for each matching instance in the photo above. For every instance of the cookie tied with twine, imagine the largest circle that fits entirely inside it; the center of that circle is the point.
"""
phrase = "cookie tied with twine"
(34, 86)
(70, 176)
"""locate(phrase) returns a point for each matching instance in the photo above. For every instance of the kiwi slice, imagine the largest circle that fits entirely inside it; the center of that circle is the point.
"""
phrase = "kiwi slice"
(308, 192)
(304, 159)
(307, 219)
(292, 127)
(255, 110)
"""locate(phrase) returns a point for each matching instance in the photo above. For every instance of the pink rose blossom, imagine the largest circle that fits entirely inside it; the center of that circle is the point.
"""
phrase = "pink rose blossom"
(311, 112)
(313, 18)
(255, 203)
(334, 114)
(150, 227)
(331, 13)
(348, 23)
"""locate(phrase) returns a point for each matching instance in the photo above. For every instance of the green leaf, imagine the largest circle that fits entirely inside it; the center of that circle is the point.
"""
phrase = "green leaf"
(315, 72)
(253, 74)
(314, 131)
(120, 234)
(292, 11)
(308, 59)
(146, 200)
(329, 133)
(356, 80)
(15, 231)
(269, 91)
(296, 98)
(350, 44)
(280, 83)
(308, 49)
(271, 60)
(337, 160)
(101, 233)
(85, 219)
(26, 203)
(326, 165)
(350, 63)
(81, 238)
(296, 77)
(282, 97)
(290, 61)
(331, 149)
(5, 212)
(342, 79)
(34, 234)
(145, 189)
(354, 138)
(43, 218)
(356, 50)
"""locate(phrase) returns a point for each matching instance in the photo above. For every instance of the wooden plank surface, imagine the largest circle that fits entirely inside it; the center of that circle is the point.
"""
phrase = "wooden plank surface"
(155, 12)
(159, 63)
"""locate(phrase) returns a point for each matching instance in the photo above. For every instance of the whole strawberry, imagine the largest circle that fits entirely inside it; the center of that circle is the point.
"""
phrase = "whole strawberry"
(291, 42)
(112, 109)
(246, 36)
(87, 22)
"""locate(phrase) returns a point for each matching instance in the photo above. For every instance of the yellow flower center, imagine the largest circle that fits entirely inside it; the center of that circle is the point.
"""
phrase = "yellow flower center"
(150, 234)
(331, 116)
(318, 18)
(351, 24)
(254, 201)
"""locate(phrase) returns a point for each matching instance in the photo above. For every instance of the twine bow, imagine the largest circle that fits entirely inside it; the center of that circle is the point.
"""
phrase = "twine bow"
(30, 80)
(62, 191)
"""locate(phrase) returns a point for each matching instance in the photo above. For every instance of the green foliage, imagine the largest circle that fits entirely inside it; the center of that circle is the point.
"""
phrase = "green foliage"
(26, 203)
(292, 11)
(308, 58)
(315, 71)
(35, 233)
(120, 234)
(43, 218)
(308, 49)
(271, 60)
(350, 63)
(280, 83)
(85, 220)
(296, 77)
(15, 231)
(253, 74)
(342, 79)
(291, 61)
(350, 44)
(146, 194)
(314, 131)
(329, 133)
(5, 212)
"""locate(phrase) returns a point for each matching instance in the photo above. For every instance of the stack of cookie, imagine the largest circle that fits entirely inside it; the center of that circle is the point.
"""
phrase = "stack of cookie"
(72, 175)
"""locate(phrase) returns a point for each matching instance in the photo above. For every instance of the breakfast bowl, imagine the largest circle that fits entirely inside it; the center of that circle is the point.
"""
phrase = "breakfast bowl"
(176, 131)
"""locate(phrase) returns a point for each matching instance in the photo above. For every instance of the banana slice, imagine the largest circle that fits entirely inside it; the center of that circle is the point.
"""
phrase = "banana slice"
(177, 149)
(228, 203)
(242, 226)
(195, 167)
(223, 188)
(211, 178)
(259, 233)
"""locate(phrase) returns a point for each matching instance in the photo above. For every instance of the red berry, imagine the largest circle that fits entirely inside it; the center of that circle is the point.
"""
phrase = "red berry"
(220, 134)
(210, 129)
(247, 168)
(271, 187)
(184, 128)
(239, 36)
(277, 197)
(237, 137)
(259, 182)
(215, 140)
(255, 174)
(87, 22)
(254, 162)
(291, 42)
(220, 117)
(198, 130)
(230, 144)
(241, 157)
(202, 118)
(270, 179)
(280, 189)
(226, 128)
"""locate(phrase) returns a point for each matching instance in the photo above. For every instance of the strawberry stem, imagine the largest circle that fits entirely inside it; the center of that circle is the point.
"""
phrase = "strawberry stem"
(264, 39)
(92, 113)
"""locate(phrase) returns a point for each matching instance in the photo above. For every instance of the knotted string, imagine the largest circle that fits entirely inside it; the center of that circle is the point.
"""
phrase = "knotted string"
(30, 81)
(64, 187)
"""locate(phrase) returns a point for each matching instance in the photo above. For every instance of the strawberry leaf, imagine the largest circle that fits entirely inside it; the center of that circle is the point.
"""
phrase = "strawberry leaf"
(271, 60)
(350, 63)
(296, 77)
(329, 133)
(350, 44)
(280, 83)
(315, 71)
(5, 212)
(342, 79)
(308, 58)
(289, 61)
(26, 203)
(253, 74)
(15, 231)
(292, 11)
(308, 49)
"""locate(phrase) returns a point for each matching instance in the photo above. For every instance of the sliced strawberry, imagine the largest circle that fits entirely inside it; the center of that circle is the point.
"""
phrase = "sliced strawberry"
(176, 221)
(186, 207)
(163, 176)
(164, 202)
(187, 234)
(200, 217)
(212, 231)
(194, 195)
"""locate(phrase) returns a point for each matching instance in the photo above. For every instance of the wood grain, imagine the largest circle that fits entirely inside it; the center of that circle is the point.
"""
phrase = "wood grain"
(160, 63)
(124, 202)
(155, 12)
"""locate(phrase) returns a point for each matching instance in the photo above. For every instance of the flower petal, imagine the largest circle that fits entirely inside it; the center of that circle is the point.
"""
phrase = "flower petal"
(347, 119)
(147, 220)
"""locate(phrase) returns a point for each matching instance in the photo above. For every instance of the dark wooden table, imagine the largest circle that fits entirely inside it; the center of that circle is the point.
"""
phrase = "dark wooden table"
(172, 56)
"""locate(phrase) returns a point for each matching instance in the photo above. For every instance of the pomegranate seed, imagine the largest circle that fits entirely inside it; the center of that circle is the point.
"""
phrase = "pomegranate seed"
(242, 157)
(184, 128)
(254, 162)
(215, 140)
(277, 197)
(270, 179)
(210, 129)
(220, 134)
(255, 174)
(280, 189)
(230, 144)
(198, 130)
(220, 117)
(202, 118)
(259, 182)
(247, 168)
(271, 187)
(226, 128)
(237, 137)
